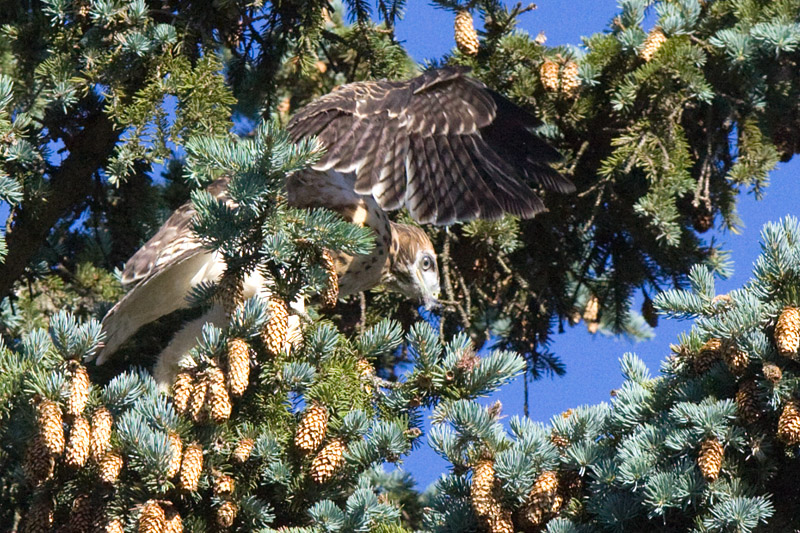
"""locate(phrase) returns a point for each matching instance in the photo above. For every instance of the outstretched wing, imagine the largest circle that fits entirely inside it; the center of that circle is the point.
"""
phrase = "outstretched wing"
(441, 144)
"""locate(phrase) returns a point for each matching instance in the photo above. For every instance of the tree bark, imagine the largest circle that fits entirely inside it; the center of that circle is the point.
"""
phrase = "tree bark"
(68, 185)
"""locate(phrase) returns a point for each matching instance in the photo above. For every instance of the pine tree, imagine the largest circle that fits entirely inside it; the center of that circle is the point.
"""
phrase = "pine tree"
(710, 450)
(659, 131)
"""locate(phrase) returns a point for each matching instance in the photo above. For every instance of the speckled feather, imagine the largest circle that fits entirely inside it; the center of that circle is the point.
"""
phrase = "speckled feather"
(441, 144)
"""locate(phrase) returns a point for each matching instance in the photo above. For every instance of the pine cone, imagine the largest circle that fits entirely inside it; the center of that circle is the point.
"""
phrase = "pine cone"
(219, 401)
(226, 514)
(736, 359)
(747, 401)
(115, 525)
(329, 459)
(182, 390)
(789, 423)
(197, 400)
(702, 218)
(39, 518)
(710, 458)
(242, 451)
(654, 40)
(102, 422)
(772, 372)
(230, 293)
(152, 518)
(78, 390)
(564, 78)
(365, 374)
(544, 499)
(548, 73)
(39, 462)
(331, 293)
(238, 366)
(465, 35)
(312, 428)
(499, 520)
(51, 426)
(191, 467)
(78, 445)
(482, 487)
(223, 485)
(570, 82)
(558, 440)
(277, 327)
(82, 516)
(110, 466)
(787, 332)
(175, 451)
(649, 313)
(173, 522)
(709, 354)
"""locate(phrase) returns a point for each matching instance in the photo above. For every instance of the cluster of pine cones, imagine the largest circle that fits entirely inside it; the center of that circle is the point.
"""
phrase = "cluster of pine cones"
(549, 493)
(750, 406)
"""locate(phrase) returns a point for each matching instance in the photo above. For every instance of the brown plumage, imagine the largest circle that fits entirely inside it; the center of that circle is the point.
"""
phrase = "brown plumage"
(442, 145)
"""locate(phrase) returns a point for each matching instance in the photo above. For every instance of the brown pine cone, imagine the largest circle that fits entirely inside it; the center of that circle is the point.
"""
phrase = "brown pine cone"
(110, 466)
(223, 485)
(82, 516)
(789, 423)
(197, 400)
(152, 518)
(736, 359)
(173, 522)
(78, 390)
(747, 401)
(482, 487)
(51, 426)
(710, 353)
(39, 517)
(226, 514)
(312, 428)
(102, 422)
(710, 458)
(115, 525)
(329, 459)
(79, 443)
(277, 326)
(219, 402)
(39, 463)
(243, 449)
(238, 366)
(191, 467)
(787, 332)
(175, 453)
(544, 499)
(182, 390)
(465, 35)
(655, 39)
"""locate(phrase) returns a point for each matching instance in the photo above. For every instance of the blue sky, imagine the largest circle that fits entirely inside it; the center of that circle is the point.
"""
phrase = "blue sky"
(592, 361)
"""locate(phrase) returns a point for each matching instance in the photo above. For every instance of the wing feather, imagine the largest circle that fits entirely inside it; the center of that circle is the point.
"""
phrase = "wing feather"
(442, 144)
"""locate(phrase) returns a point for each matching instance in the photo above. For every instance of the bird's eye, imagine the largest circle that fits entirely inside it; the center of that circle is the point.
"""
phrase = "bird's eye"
(427, 262)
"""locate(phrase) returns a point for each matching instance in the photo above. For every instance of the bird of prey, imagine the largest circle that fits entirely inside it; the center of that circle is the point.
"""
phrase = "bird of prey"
(442, 145)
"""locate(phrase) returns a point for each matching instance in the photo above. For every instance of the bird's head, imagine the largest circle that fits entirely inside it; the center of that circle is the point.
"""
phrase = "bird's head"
(412, 265)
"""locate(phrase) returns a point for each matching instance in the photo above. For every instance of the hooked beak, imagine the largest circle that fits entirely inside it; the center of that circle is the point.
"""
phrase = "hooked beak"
(429, 297)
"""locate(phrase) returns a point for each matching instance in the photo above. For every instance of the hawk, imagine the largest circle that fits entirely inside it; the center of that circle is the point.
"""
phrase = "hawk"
(442, 144)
